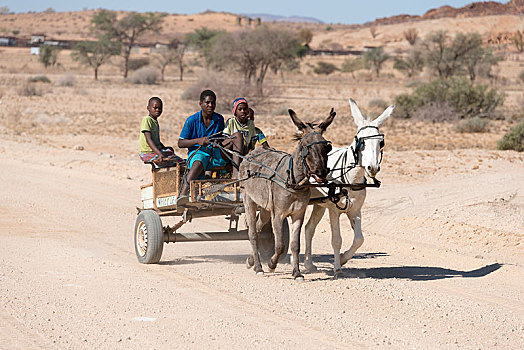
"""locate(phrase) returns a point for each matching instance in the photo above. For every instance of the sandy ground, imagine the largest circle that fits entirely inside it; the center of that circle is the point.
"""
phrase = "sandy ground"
(442, 265)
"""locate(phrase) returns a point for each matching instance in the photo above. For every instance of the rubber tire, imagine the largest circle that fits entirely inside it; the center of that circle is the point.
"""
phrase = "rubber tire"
(149, 220)
(266, 242)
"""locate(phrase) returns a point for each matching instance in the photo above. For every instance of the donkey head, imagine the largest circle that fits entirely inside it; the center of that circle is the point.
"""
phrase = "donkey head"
(313, 148)
(369, 142)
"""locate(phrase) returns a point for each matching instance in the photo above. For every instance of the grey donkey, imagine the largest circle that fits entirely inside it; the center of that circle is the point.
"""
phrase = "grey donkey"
(276, 183)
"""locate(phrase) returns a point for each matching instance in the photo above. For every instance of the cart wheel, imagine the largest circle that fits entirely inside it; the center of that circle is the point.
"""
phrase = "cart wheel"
(149, 237)
(266, 242)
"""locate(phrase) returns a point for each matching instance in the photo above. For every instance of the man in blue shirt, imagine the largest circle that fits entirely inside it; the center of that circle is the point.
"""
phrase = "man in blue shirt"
(196, 134)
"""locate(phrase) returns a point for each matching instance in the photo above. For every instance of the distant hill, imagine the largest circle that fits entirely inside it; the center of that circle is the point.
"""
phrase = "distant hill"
(274, 18)
(475, 9)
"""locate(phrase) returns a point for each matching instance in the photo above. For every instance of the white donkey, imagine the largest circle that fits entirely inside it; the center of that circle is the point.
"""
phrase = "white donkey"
(348, 165)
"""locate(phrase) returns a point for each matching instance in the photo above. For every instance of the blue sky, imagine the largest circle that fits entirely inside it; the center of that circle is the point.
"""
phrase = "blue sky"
(329, 11)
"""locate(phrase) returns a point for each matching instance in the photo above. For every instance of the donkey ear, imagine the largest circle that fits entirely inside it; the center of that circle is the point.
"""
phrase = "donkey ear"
(323, 126)
(383, 117)
(357, 116)
(298, 123)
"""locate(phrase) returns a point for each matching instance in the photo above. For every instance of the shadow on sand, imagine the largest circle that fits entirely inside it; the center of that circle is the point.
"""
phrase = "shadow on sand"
(414, 273)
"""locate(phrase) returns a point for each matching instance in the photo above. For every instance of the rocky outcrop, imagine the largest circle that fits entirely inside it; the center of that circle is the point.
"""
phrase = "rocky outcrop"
(475, 9)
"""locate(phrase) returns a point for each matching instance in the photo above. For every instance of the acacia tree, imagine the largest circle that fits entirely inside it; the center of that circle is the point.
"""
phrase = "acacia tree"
(412, 64)
(463, 54)
(201, 39)
(351, 65)
(254, 52)
(172, 54)
(126, 30)
(48, 55)
(95, 53)
(375, 58)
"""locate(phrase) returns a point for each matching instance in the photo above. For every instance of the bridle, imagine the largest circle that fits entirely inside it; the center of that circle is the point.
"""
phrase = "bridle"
(360, 141)
(304, 150)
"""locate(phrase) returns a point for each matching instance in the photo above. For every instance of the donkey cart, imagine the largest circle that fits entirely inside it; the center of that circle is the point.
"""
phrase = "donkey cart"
(210, 197)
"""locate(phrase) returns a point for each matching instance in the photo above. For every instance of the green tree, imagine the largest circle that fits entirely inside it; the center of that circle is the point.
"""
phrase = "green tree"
(202, 39)
(49, 55)
(412, 64)
(375, 58)
(518, 41)
(324, 68)
(254, 52)
(126, 30)
(305, 35)
(95, 53)
(351, 65)
(464, 54)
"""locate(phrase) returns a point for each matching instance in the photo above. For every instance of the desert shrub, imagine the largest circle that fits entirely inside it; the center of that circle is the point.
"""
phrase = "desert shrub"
(29, 89)
(514, 139)
(466, 98)
(521, 76)
(137, 63)
(378, 104)
(39, 79)
(226, 90)
(145, 75)
(324, 68)
(472, 125)
(66, 80)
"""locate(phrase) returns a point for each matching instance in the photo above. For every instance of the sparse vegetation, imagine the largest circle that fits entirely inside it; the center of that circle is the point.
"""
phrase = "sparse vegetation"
(145, 75)
(29, 89)
(464, 54)
(39, 79)
(411, 36)
(95, 53)
(412, 64)
(49, 55)
(325, 68)
(375, 58)
(373, 31)
(137, 63)
(253, 53)
(66, 80)
(465, 98)
(518, 41)
(351, 65)
(126, 30)
(472, 125)
(514, 139)
(521, 76)
(172, 54)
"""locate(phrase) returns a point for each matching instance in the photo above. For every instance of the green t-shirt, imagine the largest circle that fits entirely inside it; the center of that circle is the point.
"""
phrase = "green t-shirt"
(149, 124)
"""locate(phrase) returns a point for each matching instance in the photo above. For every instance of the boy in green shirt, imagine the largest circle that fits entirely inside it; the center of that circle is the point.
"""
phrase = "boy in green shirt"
(151, 149)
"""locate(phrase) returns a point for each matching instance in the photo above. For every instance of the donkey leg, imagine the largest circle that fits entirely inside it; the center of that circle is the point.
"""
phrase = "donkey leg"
(251, 212)
(316, 215)
(276, 222)
(336, 239)
(358, 238)
(263, 218)
(298, 219)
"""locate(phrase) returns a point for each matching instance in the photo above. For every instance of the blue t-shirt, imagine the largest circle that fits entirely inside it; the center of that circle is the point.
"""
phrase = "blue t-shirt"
(195, 128)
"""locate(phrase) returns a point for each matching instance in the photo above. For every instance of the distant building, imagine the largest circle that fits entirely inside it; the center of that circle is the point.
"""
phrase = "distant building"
(37, 39)
(7, 41)
(156, 47)
(35, 50)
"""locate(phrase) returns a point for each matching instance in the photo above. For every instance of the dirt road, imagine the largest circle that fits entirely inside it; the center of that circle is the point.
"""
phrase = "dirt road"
(442, 265)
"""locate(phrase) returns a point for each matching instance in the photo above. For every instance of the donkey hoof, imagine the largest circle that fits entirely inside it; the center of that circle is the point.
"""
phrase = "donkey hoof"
(271, 270)
(310, 268)
(337, 274)
(260, 273)
(343, 259)
(248, 264)
(299, 278)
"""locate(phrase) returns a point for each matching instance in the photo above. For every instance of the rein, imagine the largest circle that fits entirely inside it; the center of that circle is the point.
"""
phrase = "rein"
(289, 183)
